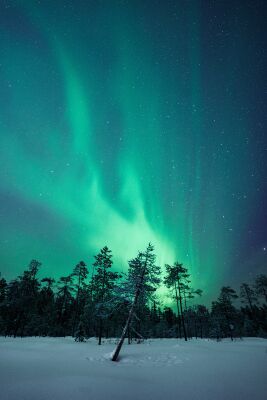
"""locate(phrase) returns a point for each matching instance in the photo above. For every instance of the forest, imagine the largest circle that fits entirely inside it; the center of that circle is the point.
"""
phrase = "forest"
(105, 303)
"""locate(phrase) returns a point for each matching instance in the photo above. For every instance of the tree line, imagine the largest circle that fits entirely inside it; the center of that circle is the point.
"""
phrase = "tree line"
(105, 303)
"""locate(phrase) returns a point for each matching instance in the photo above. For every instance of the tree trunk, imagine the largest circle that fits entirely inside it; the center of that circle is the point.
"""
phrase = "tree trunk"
(249, 301)
(178, 313)
(201, 329)
(195, 323)
(100, 332)
(102, 300)
(76, 306)
(181, 307)
(129, 335)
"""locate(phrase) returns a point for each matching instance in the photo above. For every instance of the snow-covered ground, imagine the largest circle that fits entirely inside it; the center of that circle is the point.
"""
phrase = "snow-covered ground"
(59, 368)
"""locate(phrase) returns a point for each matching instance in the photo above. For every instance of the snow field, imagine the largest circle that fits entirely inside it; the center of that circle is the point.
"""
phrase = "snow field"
(168, 369)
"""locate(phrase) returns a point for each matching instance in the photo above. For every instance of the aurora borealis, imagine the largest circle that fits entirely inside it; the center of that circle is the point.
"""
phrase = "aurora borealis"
(124, 122)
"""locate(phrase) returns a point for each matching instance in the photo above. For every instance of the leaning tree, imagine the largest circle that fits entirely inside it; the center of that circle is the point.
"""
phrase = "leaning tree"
(143, 277)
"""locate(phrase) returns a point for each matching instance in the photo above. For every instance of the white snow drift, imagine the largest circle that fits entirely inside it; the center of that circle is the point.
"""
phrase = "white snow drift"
(168, 369)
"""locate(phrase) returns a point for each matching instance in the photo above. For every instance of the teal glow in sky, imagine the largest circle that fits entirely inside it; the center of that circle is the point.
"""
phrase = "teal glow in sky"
(124, 122)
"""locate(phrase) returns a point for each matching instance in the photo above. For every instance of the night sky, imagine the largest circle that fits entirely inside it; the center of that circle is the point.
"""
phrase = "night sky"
(124, 122)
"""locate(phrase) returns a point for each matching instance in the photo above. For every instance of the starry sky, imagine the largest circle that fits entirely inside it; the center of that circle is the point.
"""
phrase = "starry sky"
(124, 122)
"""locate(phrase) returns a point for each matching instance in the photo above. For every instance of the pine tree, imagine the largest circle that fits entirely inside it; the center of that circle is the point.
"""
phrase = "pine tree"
(64, 304)
(248, 296)
(3, 289)
(143, 278)
(176, 275)
(24, 297)
(261, 286)
(224, 311)
(80, 333)
(103, 284)
(3, 305)
(80, 272)
(46, 307)
(202, 315)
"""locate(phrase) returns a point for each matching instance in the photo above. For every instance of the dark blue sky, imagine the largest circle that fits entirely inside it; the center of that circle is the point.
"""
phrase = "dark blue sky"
(124, 122)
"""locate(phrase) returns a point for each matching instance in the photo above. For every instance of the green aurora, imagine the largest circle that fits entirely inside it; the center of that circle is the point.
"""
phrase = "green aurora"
(128, 122)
